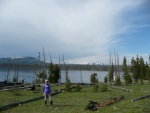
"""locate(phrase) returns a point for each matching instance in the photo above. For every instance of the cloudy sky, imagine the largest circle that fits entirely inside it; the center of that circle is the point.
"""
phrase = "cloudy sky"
(80, 30)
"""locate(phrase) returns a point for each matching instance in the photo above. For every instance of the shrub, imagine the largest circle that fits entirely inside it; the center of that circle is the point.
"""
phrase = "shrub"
(78, 87)
(117, 80)
(105, 79)
(103, 87)
(68, 85)
(96, 87)
(93, 78)
(128, 79)
(16, 91)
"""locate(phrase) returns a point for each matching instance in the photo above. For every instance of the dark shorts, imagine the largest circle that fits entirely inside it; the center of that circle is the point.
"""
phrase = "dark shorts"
(47, 96)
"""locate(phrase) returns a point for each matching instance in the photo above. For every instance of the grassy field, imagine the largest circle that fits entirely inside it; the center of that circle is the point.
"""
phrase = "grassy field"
(76, 102)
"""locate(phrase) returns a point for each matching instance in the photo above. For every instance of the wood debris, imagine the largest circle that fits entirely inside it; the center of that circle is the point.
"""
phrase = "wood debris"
(94, 105)
(143, 97)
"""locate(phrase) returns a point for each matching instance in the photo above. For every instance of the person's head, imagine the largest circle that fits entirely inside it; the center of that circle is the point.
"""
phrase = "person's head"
(46, 81)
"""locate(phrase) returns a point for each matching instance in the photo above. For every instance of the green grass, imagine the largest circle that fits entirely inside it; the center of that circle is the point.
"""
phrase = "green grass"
(76, 102)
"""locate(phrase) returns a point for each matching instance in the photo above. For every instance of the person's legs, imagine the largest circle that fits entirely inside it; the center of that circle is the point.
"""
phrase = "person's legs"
(50, 99)
(45, 99)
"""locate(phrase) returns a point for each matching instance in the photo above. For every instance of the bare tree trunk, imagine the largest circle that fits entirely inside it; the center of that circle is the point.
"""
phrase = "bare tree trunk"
(44, 64)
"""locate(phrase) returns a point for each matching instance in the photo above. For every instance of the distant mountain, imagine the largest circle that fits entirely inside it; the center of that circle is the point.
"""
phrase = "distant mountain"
(32, 61)
(20, 61)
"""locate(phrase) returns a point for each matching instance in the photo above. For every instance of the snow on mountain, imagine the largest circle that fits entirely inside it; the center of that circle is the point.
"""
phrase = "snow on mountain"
(20, 60)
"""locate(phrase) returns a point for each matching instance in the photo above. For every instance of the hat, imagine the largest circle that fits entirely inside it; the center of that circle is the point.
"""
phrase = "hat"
(46, 80)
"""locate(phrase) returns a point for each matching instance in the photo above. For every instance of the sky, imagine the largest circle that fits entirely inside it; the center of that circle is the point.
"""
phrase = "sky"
(80, 31)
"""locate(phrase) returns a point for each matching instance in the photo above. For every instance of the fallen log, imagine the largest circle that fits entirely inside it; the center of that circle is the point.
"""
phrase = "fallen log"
(92, 106)
(3, 84)
(33, 87)
(10, 87)
(27, 87)
(143, 97)
(26, 101)
(128, 90)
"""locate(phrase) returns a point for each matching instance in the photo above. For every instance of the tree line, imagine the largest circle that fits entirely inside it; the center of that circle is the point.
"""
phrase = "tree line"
(70, 66)
(136, 72)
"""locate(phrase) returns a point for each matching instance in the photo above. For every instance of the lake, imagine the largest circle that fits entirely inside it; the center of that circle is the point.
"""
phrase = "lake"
(75, 75)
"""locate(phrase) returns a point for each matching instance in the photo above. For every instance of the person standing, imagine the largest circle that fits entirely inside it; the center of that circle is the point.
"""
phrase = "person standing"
(47, 93)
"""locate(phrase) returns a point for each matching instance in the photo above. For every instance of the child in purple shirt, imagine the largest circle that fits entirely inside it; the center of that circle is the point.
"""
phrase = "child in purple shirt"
(47, 93)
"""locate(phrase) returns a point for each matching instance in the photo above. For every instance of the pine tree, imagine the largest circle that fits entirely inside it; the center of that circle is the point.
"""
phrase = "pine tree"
(148, 74)
(128, 79)
(42, 76)
(51, 73)
(135, 69)
(95, 87)
(105, 79)
(56, 73)
(124, 67)
(68, 85)
(142, 70)
(93, 78)
(126, 75)
(117, 80)
(148, 71)
(111, 73)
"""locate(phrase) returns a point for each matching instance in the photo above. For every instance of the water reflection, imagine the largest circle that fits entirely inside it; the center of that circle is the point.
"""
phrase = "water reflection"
(75, 75)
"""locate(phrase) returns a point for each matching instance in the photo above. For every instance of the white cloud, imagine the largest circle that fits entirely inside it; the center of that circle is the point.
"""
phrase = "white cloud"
(80, 30)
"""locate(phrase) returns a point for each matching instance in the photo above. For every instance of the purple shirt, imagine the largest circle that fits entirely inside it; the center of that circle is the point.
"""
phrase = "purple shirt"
(46, 89)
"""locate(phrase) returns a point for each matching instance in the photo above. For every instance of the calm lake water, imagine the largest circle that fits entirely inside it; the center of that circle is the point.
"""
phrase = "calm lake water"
(75, 75)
